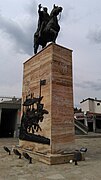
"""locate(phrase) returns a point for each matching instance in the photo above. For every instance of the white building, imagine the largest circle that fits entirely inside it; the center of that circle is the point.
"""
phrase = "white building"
(91, 105)
(92, 112)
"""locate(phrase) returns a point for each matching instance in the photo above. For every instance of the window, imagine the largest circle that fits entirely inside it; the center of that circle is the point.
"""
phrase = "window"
(98, 104)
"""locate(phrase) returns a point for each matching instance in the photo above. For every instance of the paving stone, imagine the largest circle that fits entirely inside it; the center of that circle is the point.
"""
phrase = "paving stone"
(12, 168)
(56, 177)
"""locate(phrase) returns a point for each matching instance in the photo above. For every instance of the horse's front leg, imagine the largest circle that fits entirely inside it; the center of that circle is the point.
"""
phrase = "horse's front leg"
(43, 45)
(54, 35)
(36, 43)
(36, 48)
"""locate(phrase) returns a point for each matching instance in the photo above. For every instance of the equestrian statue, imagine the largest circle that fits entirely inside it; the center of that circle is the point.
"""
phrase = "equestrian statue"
(48, 27)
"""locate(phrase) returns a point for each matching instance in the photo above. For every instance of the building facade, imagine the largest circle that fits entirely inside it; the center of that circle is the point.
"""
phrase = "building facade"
(10, 112)
(91, 105)
(91, 109)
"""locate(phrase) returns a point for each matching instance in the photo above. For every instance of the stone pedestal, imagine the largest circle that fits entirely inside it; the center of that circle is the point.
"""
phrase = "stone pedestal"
(53, 64)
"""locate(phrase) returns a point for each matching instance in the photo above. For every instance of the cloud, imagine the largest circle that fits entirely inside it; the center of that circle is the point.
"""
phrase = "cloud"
(95, 35)
(14, 90)
(15, 33)
(19, 33)
(89, 85)
(31, 8)
(16, 37)
(67, 13)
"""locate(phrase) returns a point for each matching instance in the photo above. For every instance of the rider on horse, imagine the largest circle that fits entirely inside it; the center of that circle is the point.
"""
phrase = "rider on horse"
(48, 27)
(43, 19)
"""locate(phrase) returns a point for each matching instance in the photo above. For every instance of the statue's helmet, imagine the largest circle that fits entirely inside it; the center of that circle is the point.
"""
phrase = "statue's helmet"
(45, 9)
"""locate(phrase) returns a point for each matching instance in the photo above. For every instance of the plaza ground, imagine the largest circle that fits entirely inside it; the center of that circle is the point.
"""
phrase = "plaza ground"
(13, 168)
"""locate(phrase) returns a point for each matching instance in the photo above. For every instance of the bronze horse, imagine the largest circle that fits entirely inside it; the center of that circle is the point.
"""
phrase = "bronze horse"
(50, 31)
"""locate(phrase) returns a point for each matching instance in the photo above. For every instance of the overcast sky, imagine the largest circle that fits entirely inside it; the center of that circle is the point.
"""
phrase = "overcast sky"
(80, 31)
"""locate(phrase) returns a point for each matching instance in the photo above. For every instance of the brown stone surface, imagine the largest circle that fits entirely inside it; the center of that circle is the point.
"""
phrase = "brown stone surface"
(53, 63)
(62, 100)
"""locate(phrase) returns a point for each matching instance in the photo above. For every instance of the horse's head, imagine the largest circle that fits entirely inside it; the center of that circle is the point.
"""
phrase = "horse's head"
(55, 11)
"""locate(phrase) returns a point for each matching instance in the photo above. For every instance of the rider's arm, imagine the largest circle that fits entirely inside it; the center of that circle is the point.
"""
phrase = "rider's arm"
(39, 8)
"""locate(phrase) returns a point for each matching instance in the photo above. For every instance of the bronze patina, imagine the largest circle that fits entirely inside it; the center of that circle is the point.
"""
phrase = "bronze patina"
(48, 27)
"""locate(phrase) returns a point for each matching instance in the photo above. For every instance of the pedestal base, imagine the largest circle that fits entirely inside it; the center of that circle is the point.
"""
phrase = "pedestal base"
(54, 65)
(49, 158)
